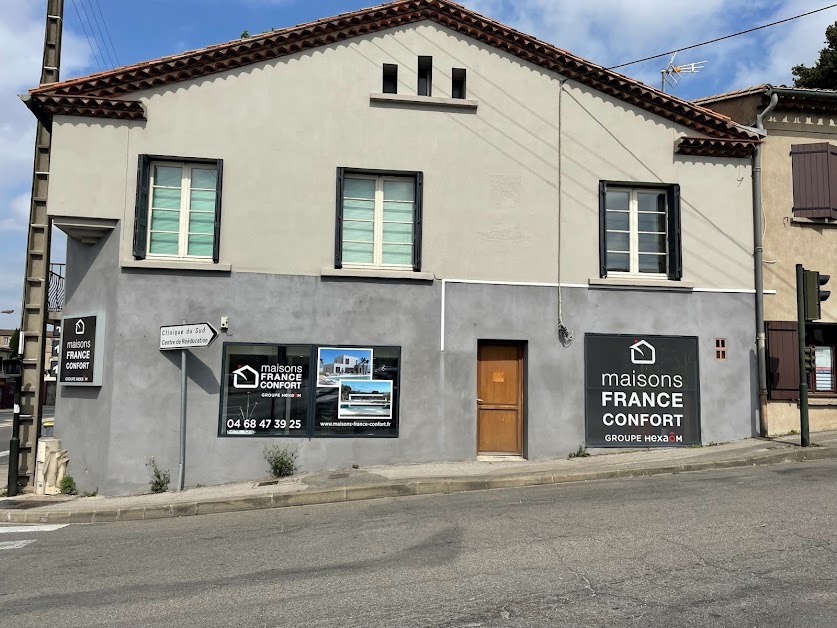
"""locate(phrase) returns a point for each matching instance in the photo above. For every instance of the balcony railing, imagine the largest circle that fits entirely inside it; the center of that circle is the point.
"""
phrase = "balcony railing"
(56, 287)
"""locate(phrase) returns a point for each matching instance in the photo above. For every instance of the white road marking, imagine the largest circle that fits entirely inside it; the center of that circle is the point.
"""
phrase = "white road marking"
(3, 454)
(47, 527)
(11, 545)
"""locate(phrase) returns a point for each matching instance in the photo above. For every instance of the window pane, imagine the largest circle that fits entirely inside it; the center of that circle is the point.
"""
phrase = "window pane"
(168, 175)
(204, 178)
(166, 198)
(651, 201)
(200, 222)
(619, 262)
(398, 190)
(200, 245)
(353, 230)
(163, 243)
(617, 220)
(398, 232)
(652, 222)
(165, 220)
(402, 212)
(203, 200)
(617, 200)
(356, 253)
(359, 188)
(652, 243)
(617, 241)
(652, 264)
(359, 210)
(824, 361)
(398, 254)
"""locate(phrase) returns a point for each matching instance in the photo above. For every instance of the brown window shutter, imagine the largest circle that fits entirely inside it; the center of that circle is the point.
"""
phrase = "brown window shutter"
(814, 180)
(782, 360)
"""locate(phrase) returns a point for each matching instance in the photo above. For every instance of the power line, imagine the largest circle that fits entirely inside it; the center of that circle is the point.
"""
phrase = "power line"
(717, 39)
(83, 28)
(107, 32)
(105, 61)
(100, 41)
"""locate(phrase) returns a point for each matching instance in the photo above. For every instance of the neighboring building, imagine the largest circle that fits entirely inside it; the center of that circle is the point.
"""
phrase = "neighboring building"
(50, 366)
(473, 206)
(799, 200)
(346, 364)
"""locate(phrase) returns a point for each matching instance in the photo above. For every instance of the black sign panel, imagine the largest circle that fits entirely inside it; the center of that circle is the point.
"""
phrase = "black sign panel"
(641, 391)
(265, 391)
(78, 351)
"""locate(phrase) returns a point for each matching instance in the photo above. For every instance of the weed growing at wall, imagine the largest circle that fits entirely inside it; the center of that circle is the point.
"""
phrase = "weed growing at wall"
(581, 452)
(160, 478)
(67, 485)
(281, 461)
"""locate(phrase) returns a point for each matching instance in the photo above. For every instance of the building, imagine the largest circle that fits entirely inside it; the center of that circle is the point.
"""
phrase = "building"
(799, 199)
(8, 378)
(494, 220)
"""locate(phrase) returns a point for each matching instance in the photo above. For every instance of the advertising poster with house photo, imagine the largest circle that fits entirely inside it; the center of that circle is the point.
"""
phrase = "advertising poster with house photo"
(335, 364)
(368, 402)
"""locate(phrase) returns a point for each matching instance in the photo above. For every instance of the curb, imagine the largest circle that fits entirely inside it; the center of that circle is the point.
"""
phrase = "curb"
(440, 486)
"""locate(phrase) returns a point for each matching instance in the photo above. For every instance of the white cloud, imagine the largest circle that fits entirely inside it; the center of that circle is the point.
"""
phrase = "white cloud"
(21, 41)
(610, 32)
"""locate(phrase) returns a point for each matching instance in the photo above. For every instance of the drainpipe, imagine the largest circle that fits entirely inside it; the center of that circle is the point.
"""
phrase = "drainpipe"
(758, 260)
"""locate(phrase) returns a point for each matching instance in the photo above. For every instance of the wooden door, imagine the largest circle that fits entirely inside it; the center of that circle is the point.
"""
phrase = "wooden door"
(499, 399)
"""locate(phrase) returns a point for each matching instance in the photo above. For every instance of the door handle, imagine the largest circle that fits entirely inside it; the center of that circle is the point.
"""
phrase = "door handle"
(479, 400)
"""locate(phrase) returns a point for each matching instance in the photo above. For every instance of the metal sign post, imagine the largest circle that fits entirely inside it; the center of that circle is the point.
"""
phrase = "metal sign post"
(805, 437)
(183, 337)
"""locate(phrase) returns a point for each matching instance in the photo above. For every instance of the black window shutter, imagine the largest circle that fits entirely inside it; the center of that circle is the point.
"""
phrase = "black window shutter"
(675, 245)
(417, 222)
(338, 221)
(141, 207)
(782, 360)
(602, 229)
(219, 178)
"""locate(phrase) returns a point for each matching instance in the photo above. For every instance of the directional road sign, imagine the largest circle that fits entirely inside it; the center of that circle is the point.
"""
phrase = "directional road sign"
(187, 336)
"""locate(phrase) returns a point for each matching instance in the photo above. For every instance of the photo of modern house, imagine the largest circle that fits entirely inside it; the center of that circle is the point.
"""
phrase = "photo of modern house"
(338, 363)
(365, 398)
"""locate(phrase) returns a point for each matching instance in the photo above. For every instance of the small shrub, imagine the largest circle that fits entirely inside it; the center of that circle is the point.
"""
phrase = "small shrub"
(281, 461)
(67, 485)
(4, 492)
(581, 452)
(92, 493)
(160, 478)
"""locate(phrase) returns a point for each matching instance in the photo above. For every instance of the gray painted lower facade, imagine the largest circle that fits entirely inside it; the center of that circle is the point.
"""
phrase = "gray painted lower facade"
(111, 431)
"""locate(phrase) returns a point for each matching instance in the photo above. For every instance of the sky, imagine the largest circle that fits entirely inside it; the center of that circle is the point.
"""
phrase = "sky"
(607, 32)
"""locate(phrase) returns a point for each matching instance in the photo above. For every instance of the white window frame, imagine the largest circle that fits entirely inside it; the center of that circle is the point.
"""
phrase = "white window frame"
(378, 223)
(633, 232)
(185, 208)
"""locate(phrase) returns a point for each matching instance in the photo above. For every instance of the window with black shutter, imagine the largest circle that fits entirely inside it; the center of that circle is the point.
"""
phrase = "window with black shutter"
(378, 219)
(178, 208)
(639, 230)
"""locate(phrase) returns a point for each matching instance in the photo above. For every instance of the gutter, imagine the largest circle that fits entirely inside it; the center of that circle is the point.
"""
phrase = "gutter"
(758, 262)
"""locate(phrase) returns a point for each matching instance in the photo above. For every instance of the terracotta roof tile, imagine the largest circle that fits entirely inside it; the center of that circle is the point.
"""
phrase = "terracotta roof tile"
(111, 85)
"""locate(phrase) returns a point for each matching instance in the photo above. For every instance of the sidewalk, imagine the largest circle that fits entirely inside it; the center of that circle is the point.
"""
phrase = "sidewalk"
(411, 479)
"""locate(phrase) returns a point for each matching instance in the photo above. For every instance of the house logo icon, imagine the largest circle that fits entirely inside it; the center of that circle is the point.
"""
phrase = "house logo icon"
(245, 377)
(643, 352)
(79, 327)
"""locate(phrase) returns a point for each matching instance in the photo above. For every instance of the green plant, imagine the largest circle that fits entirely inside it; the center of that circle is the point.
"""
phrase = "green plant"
(4, 492)
(581, 452)
(92, 493)
(282, 462)
(160, 478)
(67, 485)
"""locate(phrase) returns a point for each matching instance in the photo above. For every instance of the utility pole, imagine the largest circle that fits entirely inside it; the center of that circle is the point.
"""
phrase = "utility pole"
(35, 286)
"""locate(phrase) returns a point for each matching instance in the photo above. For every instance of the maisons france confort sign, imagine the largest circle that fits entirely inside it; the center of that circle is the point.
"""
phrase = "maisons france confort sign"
(641, 391)
(82, 339)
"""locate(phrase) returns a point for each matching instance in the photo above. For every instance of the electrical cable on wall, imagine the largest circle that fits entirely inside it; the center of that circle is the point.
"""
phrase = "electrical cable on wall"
(565, 335)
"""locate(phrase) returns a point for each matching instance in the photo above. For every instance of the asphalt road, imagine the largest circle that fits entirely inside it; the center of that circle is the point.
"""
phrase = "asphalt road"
(754, 548)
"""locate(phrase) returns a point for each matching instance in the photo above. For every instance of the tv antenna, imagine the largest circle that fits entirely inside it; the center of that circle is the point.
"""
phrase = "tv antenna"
(671, 75)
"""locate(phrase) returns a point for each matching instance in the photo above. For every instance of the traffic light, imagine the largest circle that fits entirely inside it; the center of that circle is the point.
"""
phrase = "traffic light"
(810, 357)
(814, 294)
